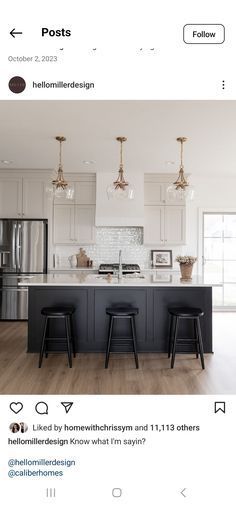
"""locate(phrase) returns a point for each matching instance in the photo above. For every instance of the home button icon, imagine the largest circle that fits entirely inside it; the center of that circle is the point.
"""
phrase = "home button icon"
(116, 492)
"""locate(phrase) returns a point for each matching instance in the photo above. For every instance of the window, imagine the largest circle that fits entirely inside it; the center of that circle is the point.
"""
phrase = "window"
(219, 256)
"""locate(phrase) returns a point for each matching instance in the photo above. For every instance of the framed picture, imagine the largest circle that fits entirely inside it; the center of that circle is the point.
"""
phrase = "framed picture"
(161, 258)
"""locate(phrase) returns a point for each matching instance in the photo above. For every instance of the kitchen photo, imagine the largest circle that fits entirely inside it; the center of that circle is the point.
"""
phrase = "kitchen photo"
(118, 247)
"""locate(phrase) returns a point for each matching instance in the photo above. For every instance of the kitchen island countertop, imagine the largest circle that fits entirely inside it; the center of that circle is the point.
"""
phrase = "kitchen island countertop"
(145, 279)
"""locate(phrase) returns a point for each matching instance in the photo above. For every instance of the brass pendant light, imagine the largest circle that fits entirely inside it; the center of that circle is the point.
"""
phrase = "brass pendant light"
(120, 189)
(59, 186)
(181, 189)
(60, 182)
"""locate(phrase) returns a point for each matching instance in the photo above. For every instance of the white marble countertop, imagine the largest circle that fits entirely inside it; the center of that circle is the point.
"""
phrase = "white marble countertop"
(156, 278)
(73, 269)
(95, 269)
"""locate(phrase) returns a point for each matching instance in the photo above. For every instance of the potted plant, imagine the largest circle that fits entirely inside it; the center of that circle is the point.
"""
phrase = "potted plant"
(186, 266)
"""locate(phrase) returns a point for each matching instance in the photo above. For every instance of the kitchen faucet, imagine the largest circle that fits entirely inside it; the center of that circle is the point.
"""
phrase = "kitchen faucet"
(120, 265)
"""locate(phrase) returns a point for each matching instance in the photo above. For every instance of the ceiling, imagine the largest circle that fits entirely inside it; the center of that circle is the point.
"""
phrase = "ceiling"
(28, 129)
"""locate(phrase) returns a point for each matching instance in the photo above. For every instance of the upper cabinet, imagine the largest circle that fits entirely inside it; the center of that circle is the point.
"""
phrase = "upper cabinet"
(10, 197)
(164, 218)
(22, 196)
(34, 198)
(84, 190)
(155, 189)
(74, 220)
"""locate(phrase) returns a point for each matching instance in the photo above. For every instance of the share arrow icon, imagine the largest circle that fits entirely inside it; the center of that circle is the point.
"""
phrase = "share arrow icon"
(67, 406)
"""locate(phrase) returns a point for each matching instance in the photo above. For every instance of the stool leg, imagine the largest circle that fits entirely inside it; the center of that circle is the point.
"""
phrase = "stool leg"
(172, 319)
(46, 337)
(43, 341)
(200, 343)
(132, 321)
(109, 341)
(175, 330)
(68, 340)
(72, 335)
(196, 337)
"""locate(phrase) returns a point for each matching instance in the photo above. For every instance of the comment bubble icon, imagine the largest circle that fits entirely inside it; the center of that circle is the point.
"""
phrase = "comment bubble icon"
(41, 408)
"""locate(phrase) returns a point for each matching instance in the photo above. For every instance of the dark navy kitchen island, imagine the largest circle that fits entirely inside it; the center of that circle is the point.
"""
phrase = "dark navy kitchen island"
(90, 295)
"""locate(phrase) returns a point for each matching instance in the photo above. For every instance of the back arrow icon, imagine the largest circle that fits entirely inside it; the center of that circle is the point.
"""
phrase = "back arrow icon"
(182, 492)
(13, 33)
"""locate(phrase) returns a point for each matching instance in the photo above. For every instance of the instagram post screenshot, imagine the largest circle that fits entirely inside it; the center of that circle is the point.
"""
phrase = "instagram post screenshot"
(117, 253)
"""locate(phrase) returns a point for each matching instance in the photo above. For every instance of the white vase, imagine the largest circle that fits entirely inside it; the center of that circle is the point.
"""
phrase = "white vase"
(73, 261)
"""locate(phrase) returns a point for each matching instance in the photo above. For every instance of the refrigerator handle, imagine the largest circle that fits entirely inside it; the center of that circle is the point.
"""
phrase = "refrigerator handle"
(18, 247)
(14, 249)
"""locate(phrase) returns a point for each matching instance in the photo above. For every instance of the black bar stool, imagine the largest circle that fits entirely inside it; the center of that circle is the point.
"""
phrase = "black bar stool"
(116, 313)
(64, 313)
(185, 313)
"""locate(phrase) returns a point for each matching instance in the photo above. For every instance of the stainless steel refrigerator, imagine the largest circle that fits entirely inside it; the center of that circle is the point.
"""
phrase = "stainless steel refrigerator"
(23, 251)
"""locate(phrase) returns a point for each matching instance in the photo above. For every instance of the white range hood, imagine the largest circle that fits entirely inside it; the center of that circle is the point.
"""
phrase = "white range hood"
(117, 213)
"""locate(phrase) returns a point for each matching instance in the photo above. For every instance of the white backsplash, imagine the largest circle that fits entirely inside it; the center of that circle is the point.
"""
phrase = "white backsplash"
(109, 240)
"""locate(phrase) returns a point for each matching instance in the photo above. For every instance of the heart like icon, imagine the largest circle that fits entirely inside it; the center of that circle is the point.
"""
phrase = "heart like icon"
(16, 407)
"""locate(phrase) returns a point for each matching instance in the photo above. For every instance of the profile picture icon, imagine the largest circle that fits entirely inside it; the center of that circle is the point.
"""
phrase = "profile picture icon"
(14, 427)
(23, 427)
(17, 84)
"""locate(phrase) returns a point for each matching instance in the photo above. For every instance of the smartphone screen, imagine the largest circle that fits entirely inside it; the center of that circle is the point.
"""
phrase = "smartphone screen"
(117, 253)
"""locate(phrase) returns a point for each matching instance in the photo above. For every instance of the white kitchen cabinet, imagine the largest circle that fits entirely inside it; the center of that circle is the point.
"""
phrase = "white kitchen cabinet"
(84, 190)
(22, 197)
(10, 197)
(164, 217)
(34, 195)
(74, 224)
(74, 220)
(85, 224)
(155, 192)
(164, 225)
(174, 225)
(64, 224)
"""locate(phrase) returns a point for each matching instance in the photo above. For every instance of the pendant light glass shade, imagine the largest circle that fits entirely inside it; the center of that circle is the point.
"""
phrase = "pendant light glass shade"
(181, 189)
(120, 189)
(60, 188)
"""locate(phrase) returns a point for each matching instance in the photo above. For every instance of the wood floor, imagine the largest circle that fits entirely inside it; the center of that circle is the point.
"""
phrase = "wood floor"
(20, 374)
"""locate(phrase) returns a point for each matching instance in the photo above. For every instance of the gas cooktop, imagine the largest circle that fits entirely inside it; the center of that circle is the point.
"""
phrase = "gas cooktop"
(126, 268)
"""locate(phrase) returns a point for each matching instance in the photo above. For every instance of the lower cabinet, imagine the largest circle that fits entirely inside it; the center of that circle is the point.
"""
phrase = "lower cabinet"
(164, 225)
(90, 322)
(74, 224)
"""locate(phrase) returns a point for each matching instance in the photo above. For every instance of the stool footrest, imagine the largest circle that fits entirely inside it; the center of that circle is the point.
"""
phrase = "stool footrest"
(124, 339)
(182, 340)
(55, 339)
